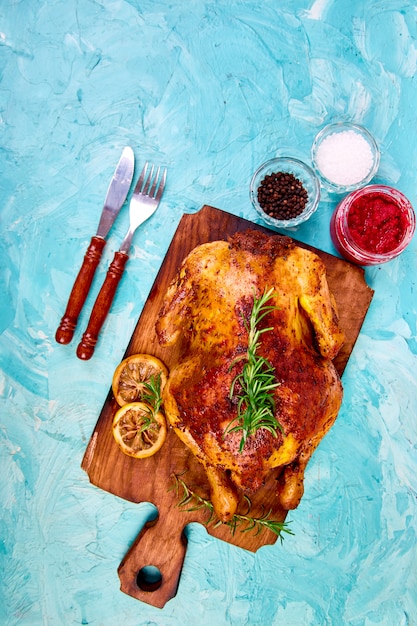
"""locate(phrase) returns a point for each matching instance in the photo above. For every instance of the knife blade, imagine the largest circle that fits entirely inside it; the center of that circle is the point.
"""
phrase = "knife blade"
(115, 198)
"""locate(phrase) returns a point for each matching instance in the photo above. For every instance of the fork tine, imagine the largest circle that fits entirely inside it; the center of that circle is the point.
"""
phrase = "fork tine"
(151, 193)
(161, 186)
(141, 178)
(147, 184)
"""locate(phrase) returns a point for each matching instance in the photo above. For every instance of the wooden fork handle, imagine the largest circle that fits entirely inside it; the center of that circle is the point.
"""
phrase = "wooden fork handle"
(102, 306)
(80, 290)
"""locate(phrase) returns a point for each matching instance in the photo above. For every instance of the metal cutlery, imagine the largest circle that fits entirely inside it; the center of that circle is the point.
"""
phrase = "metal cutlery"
(143, 204)
(115, 198)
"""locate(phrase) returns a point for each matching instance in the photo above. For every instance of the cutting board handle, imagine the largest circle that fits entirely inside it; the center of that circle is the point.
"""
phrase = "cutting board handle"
(151, 569)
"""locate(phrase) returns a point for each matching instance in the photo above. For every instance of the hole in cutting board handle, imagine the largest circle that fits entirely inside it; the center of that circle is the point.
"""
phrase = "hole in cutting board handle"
(149, 578)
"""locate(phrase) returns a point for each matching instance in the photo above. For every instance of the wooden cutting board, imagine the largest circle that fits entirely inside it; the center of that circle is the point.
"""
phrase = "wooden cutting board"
(161, 544)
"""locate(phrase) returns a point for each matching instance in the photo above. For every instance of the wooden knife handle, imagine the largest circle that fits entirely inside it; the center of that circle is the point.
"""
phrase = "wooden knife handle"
(102, 306)
(80, 290)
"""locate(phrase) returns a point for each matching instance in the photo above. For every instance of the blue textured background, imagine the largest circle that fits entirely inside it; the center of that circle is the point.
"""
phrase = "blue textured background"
(211, 90)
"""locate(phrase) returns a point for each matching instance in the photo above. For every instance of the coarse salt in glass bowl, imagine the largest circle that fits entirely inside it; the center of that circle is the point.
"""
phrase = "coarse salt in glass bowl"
(373, 225)
(300, 171)
(345, 156)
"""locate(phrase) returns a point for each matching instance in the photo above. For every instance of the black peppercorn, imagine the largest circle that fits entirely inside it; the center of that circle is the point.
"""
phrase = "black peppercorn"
(282, 195)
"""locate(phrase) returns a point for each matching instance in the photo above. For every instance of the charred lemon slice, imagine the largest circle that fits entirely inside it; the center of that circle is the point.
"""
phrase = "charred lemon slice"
(138, 431)
(132, 376)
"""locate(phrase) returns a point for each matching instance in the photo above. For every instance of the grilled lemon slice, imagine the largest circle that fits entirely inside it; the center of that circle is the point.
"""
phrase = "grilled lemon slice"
(138, 431)
(132, 375)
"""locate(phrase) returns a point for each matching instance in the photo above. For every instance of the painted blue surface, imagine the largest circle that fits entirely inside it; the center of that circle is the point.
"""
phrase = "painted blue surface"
(209, 89)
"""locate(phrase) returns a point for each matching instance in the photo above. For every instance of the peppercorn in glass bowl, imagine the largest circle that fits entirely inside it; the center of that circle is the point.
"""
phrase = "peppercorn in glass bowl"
(285, 192)
(345, 157)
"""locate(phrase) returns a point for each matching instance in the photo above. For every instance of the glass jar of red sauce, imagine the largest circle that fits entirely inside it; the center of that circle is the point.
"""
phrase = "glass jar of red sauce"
(373, 225)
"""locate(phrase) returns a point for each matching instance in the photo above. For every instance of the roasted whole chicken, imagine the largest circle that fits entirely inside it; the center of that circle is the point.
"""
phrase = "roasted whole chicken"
(207, 309)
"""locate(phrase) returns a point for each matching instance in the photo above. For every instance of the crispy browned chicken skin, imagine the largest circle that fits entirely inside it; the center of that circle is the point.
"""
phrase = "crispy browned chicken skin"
(204, 308)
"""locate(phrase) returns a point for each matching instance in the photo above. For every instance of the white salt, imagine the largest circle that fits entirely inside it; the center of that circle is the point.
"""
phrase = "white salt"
(345, 158)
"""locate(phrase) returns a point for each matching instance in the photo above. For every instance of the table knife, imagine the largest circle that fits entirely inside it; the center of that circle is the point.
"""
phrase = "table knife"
(115, 198)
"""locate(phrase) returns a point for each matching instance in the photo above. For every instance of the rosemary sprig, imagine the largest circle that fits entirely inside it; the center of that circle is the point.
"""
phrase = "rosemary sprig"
(152, 393)
(152, 397)
(191, 501)
(256, 404)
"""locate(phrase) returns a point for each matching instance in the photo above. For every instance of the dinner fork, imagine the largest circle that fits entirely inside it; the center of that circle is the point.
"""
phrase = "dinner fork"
(145, 200)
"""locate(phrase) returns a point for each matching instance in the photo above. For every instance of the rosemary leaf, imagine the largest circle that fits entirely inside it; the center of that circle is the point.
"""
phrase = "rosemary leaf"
(191, 501)
(152, 393)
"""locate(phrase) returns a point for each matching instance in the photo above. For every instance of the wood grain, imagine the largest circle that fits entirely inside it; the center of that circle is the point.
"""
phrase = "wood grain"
(162, 543)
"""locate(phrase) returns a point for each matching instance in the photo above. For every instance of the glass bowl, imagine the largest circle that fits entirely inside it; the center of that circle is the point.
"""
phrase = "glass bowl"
(300, 171)
(345, 156)
(373, 225)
